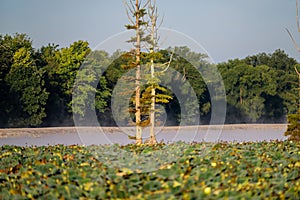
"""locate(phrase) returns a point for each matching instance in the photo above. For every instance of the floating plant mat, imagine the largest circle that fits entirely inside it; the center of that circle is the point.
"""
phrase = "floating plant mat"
(175, 171)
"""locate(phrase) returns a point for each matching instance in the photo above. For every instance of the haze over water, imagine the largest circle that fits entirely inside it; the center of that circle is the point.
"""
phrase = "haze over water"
(69, 136)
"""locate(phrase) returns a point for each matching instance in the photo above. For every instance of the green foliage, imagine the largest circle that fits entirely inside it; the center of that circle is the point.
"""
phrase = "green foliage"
(260, 88)
(128, 64)
(286, 79)
(138, 22)
(293, 130)
(90, 90)
(246, 86)
(162, 97)
(83, 92)
(102, 94)
(188, 64)
(36, 86)
(26, 82)
(263, 170)
(86, 96)
(8, 46)
(70, 60)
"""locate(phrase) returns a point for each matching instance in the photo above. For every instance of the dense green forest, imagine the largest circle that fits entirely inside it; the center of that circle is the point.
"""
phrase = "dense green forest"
(36, 84)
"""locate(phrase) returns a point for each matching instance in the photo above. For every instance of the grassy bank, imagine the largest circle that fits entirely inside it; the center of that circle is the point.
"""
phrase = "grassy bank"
(201, 170)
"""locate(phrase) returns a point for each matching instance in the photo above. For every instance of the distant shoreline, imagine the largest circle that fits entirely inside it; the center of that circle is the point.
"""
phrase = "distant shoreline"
(35, 132)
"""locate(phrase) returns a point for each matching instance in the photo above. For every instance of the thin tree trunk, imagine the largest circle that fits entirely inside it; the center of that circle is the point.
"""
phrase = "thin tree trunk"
(138, 77)
(241, 95)
(298, 88)
(153, 17)
(152, 110)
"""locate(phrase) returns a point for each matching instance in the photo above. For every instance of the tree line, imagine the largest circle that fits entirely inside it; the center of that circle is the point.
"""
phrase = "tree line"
(36, 85)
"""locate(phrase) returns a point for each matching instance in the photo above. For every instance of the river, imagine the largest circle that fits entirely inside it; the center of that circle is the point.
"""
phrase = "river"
(109, 135)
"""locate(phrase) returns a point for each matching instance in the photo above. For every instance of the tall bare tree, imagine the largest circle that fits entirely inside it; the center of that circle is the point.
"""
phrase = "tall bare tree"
(152, 40)
(146, 29)
(153, 44)
(136, 10)
(293, 129)
(297, 47)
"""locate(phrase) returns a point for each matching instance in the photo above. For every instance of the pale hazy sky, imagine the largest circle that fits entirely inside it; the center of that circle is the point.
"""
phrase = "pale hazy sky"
(227, 29)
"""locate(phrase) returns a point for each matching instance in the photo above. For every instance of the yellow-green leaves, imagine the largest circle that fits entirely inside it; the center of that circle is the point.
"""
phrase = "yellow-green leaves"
(264, 170)
(28, 88)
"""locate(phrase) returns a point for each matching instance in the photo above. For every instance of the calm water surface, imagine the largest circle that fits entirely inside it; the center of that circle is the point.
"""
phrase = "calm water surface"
(99, 136)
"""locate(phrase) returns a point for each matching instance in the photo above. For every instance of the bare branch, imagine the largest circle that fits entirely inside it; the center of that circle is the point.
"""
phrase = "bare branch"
(161, 22)
(152, 29)
(129, 18)
(140, 3)
(158, 38)
(144, 46)
(294, 42)
(169, 63)
(130, 8)
(145, 21)
(297, 71)
(297, 15)
(146, 4)
(184, 75)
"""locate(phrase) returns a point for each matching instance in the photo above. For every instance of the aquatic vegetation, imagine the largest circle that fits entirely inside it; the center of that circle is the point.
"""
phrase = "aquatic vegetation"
(202, 170)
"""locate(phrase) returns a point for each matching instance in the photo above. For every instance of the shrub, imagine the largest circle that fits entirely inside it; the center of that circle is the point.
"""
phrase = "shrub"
(293, 129)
